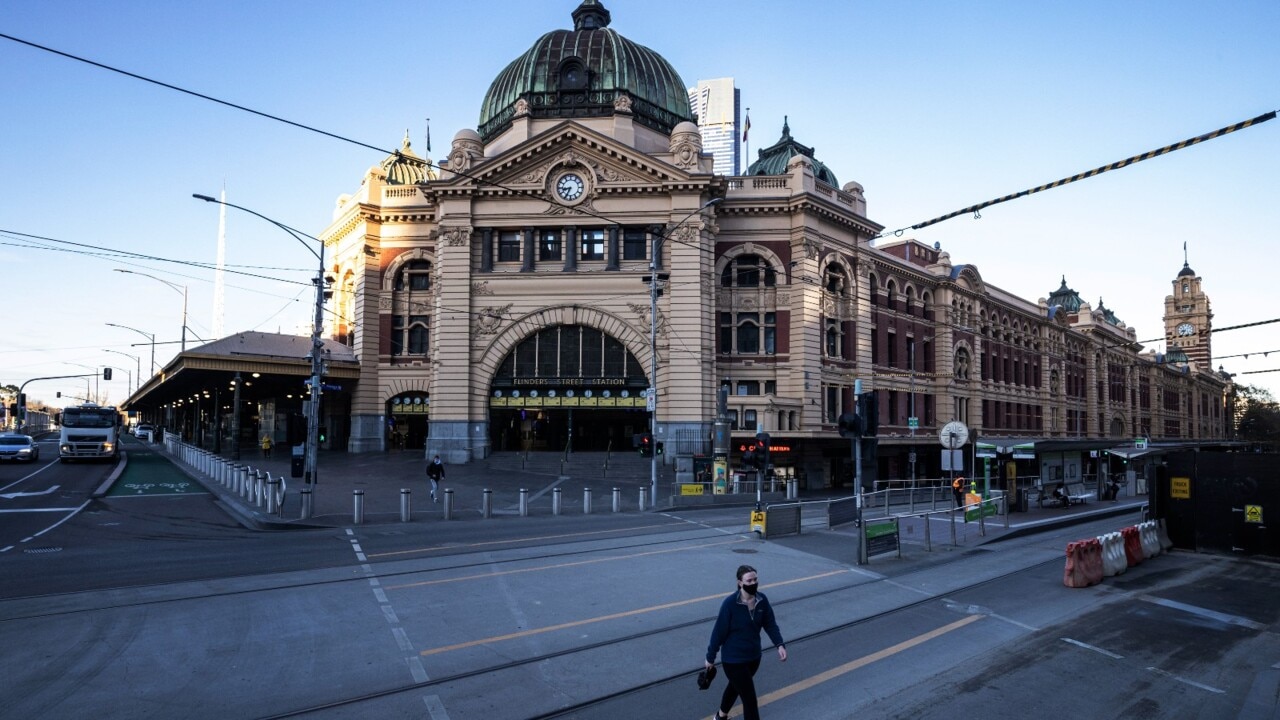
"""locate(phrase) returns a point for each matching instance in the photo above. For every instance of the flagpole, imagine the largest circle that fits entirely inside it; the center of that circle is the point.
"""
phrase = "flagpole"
(746, 130)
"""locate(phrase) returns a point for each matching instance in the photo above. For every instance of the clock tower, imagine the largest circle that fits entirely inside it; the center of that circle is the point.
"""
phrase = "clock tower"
(1187, 319)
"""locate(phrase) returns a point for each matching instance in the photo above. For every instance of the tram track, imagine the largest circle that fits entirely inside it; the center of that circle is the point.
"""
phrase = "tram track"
(354, 701)
(485, 560)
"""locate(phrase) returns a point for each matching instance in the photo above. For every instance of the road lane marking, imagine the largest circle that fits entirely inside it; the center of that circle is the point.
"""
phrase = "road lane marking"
(10, 496)
(612, 616)
(27, 510)
(863, 661)
(557, 566)
(1087, 646)
(1192, 683)
(1204, 612)
(28, 476)
(515, 540)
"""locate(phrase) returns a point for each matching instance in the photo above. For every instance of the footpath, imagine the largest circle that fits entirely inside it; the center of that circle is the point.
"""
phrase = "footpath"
(380, 479)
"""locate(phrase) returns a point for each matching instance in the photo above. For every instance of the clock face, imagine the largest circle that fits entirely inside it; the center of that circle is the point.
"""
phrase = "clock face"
(1186, 329)
(569, 187)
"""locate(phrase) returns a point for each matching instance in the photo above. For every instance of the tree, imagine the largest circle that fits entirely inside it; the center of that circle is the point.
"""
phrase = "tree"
(1257, 415)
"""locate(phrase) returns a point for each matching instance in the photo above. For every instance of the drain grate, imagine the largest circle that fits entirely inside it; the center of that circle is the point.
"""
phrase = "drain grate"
(38, 551)
(745, 551)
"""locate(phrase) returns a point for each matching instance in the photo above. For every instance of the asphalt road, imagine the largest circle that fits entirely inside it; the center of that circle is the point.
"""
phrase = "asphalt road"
(160, 606)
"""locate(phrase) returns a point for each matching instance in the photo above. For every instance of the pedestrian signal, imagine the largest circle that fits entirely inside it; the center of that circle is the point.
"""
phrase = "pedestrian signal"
(850, 425)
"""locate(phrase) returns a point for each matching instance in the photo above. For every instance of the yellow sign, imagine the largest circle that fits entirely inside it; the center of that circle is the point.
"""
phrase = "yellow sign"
(757, 521)
(1253, 514)
(1180, 487)
(691, 488)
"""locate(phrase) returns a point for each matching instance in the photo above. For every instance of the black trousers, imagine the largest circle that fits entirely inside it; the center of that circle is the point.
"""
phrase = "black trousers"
(741, 685)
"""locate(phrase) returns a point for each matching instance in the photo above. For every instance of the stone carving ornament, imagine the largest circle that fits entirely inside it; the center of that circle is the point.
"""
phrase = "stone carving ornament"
(490, 318)
(455, 237)
(622, 104)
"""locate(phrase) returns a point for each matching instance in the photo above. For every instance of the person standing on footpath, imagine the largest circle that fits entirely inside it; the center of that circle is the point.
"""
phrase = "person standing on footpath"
(736, 637)
(957, 487)
(435, 473)
(266, 445)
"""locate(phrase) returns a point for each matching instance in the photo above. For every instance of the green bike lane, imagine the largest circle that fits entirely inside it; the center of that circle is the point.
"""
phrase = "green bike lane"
(148, 473)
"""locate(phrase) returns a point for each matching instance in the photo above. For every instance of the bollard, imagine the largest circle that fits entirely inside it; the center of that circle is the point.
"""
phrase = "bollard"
(273, 486)
(486, 504)
(524, 502)
(448, 504)
(306, 504)
(617, 500)
(644, 497)
(555, 502)
(928, 540)
(586, 501)
(357, 514)
(406, 511)
(791, 489)
(257, 489)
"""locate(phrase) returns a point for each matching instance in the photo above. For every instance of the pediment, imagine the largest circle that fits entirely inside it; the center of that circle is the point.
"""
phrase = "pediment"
(529, 167)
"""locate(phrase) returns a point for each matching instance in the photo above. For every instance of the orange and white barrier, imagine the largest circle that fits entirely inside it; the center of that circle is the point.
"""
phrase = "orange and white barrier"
(1132, 546)
(1084, 563)
(1113, 559)
(1163, 534)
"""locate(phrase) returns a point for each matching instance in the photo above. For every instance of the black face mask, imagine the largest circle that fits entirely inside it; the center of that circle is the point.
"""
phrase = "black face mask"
(751, 589)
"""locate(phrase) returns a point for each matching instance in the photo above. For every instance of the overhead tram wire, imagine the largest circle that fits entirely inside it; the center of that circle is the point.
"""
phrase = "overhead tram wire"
(302, 126)
(975, 209)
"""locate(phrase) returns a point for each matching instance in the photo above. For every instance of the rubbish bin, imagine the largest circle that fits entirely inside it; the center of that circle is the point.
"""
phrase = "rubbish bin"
(297, 461)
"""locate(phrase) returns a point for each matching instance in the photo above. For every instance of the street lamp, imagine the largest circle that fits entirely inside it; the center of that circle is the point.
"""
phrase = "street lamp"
(96, 397)
(653, 279)
(174, 287)
(148, 336)
(137, 361)
(317, 328)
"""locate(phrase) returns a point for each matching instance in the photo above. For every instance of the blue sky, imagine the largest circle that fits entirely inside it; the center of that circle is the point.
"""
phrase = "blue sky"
(932, 106)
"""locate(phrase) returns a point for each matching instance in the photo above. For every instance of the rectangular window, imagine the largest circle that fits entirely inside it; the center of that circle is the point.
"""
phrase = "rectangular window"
(770, 333)
(749, 387)
(749, 419)
(832, 409)
(397, 334)
(593, 244)
(549, 245)
(893, 350)
(418, 335)
(420, 281)
(634, 245)
(770, 387)
(733, 419)
(748, 333)
(726, 332)
(509, 246)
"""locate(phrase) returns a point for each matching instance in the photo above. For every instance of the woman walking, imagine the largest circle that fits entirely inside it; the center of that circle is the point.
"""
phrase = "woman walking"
(736, 637)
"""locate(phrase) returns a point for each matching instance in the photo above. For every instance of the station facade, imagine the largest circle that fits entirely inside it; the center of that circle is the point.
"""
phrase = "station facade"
(498, 299)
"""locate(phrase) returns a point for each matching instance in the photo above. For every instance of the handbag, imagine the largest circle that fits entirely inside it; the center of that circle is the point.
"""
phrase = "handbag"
(706, 676)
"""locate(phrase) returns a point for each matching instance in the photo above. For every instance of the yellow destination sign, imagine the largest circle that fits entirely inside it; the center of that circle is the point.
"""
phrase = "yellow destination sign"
(691, 488)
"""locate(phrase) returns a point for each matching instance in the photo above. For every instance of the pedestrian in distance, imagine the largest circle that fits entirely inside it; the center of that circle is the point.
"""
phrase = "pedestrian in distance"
(736, 638)
(435, 473)
(266, 445)
(957, 489)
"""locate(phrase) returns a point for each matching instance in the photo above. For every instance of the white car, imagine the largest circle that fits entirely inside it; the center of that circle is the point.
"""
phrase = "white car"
(144, 432)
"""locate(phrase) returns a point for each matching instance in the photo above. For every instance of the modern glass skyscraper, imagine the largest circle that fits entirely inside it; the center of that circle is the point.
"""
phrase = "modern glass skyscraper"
(718, 107)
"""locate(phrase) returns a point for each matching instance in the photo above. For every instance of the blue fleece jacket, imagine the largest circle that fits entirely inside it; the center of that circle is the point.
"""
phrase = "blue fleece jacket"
(736, 635)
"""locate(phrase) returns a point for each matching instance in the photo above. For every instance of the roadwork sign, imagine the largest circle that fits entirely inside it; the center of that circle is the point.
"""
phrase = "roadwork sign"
(1253, 514)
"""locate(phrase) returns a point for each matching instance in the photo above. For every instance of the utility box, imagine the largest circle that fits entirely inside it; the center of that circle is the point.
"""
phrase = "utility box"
(297, 461)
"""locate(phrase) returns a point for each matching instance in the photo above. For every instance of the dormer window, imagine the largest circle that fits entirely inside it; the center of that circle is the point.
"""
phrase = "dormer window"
(1186, 288)
(573, 75)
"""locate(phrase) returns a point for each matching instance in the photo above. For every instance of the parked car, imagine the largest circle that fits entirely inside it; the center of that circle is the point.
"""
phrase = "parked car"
(14, 446)
(144, 432)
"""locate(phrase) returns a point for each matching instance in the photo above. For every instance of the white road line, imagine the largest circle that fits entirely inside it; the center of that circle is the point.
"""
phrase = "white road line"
(402, 639)
(31, 510)
(73, 514)
(27, 477)
(1204, 612)
(1192, 683)
(380, 594)
(7, 549)
(418, 672)
(435, 708)
(1087, 646)
(389, 613)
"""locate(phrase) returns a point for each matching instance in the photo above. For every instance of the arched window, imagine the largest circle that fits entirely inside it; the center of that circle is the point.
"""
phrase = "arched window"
(411, 322)
(890, 290)
(963, 363)
(874, 290)
(748, 271)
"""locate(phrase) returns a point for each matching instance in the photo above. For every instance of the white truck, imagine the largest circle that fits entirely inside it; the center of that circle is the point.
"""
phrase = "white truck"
(88, 432)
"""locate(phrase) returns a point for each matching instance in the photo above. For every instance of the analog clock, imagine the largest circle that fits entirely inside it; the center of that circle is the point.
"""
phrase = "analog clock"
(1186, 329)
(569, 187)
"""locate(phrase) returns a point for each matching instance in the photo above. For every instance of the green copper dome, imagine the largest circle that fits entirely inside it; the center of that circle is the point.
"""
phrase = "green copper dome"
(586, 72)
(773, 159)
(1066, 297)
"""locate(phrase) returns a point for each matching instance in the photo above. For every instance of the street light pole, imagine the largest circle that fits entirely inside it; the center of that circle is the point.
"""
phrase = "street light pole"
(317, 329)
(137, 361)
(174, 287)
(148, 336)
(658, 241)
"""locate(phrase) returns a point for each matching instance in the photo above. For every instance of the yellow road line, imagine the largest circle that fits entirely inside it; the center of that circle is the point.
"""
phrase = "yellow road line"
(613, 616)
(518, 540)
(863, 661)
(484, 576)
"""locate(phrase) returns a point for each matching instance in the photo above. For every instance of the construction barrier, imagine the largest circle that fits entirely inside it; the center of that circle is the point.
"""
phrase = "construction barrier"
(1113, 560)
(1150, 543)
(1084, 564)
(1132, 546)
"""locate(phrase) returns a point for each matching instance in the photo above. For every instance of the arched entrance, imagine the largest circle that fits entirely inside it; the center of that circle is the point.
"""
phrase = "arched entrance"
(568, 386)
(408, 419)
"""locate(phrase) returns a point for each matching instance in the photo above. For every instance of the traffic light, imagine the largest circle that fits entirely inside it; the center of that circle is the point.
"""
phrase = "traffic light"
(646, 445)
(869, 411)
(106, 373)
(850, 425)
(59, 393)
(323, 433)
